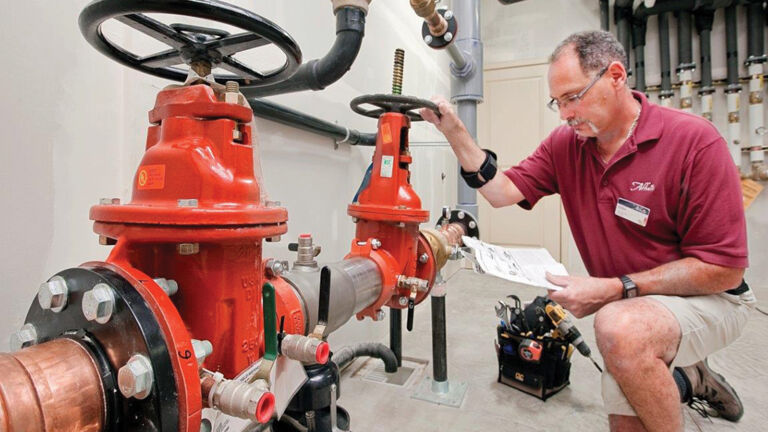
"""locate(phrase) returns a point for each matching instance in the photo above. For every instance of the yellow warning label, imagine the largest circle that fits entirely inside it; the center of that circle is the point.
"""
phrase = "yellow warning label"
(151, 177)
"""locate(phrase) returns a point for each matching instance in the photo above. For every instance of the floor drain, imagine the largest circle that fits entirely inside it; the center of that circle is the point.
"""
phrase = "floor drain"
(373, 370)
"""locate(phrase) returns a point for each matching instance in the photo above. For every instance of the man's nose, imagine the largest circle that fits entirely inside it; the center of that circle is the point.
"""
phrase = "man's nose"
(565, 113)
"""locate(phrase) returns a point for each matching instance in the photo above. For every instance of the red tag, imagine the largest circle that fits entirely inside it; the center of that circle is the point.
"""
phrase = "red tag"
(151, 177)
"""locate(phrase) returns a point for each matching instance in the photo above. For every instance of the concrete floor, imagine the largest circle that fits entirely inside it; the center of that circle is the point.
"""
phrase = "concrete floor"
(490, 406)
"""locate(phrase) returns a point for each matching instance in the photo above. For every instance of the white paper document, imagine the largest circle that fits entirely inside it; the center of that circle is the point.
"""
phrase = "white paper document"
(523, 265)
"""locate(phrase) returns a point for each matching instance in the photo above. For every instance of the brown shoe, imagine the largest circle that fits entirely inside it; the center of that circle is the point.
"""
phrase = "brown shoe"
(711, 390)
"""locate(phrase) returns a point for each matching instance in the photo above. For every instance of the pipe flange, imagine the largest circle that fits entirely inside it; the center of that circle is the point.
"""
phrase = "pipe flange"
(733, 88)
(664, 94)
(682, 67)
(133, 329)
(442, 41)
(471, 227)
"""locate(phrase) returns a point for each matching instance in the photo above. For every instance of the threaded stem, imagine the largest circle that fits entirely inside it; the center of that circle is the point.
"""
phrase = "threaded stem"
(397, 72)
(232, 87)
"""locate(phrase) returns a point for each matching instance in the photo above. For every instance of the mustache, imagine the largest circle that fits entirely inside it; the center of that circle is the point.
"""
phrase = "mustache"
(574, 122)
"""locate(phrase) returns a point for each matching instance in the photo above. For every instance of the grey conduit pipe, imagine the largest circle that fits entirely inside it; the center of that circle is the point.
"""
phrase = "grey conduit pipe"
(755, 59)
(639, 28)
(733, 90)
(665, 96)
(622, 16)
(704, 19)
(604, 12)
(317, 74)
(281, 114)
(685, 66)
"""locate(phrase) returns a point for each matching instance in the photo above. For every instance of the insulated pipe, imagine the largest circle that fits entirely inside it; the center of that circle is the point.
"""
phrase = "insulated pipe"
(355, 284)
(733, 91)
(685, 66)
(319, 73)
(756, 58)
(467, 89)
(269, 110)
(704, 19)
(439, 343)
(665, 96)
(346, 355)
(604, 12)
(639, 27)
(622, 15)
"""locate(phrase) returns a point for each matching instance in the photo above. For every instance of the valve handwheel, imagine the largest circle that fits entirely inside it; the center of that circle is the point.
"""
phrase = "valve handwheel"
(392, 103)
(192, 45)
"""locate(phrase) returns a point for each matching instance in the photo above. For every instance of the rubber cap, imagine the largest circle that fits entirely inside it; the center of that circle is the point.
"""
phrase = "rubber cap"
(322, 353)
(265, 407)
(306, 235)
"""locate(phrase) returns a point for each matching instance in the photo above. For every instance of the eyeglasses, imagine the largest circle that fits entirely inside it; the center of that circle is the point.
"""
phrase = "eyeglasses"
(556, 105)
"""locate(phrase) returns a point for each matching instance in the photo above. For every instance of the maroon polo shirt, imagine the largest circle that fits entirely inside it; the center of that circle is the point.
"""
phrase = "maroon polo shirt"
(675, 164)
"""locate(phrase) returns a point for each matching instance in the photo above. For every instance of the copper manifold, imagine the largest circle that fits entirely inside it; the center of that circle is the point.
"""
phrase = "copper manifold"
(426, 9)
(51, 387)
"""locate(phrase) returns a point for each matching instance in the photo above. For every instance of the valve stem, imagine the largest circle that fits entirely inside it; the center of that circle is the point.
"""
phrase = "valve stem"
(397, 72)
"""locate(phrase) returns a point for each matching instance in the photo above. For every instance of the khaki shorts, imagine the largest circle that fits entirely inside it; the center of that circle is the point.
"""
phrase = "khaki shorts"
(708, 324)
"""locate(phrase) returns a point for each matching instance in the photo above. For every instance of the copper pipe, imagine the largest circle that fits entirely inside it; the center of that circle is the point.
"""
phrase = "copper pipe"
(51, 387)
(426, 9)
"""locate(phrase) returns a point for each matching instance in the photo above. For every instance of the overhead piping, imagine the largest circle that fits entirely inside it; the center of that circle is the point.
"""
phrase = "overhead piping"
(756, 58)
(733, 91)
(685, 66)
(317, 74)
(665, 96)
(704, 19)
(622, 16)
(604, 12)
(639, 28)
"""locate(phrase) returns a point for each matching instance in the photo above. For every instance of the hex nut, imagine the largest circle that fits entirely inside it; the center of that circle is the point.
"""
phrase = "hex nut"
(27, 334)
(375, 244)
(53, 294)
(99, 303)
(136, 378)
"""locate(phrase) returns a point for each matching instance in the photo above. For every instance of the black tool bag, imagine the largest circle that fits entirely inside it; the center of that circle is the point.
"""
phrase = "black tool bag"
(541, 378)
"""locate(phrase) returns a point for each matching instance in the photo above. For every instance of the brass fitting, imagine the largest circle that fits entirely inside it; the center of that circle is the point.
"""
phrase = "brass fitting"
(426, 9)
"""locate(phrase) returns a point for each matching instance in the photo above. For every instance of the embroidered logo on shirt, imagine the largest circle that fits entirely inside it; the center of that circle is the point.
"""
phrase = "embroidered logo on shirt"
(642, 187)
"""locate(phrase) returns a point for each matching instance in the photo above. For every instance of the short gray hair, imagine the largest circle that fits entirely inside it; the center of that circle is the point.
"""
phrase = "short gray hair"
(596, 49)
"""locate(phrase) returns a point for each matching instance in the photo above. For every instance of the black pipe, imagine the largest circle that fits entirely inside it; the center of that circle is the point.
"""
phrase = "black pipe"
(666, 79)
(396, 334)
(439, 355)
(622, 16)
(639, 27)
(732, 48)
(704, 19)
(604, 22)
(319, 73)
(281, 114)
(346, 355)
(684, 41)
(755, 23)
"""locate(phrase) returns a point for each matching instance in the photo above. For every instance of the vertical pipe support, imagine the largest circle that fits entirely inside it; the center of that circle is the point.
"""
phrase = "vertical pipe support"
(396, 334)
(467, 88)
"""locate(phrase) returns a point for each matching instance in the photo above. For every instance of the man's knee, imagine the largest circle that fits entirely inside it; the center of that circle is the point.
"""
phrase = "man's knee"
(635, 330)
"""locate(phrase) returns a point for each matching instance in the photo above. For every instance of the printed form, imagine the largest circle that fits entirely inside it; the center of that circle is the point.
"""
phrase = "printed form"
(522, 265)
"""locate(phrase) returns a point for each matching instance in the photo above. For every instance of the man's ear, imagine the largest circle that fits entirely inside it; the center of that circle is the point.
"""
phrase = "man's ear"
(618, 73)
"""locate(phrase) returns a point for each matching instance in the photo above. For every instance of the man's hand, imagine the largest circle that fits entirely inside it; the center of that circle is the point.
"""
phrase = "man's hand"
(449, 123)
(582, 295)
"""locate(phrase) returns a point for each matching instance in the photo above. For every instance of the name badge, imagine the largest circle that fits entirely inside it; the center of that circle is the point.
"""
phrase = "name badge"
(632, 212)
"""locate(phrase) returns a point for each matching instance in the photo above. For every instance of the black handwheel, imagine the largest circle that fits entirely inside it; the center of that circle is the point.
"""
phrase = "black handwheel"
(191, 44)
(391, 103)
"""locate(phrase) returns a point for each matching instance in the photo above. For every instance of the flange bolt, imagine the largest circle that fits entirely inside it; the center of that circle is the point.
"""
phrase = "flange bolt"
(99, 303)
(136, 378)
(53, 294)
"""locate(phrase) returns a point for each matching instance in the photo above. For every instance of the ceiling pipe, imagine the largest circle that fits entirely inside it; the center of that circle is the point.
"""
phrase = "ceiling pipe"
(665, 96)
(755, 59)
(704, 19)
(733, 90)
(622, 16)
(639, 28)
(685, 66)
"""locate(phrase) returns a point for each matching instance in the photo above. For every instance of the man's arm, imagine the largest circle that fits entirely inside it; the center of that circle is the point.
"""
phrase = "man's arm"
(583, 295)
(499, 191)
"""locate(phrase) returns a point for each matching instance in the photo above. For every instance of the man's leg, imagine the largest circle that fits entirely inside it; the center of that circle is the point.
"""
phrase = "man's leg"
(638, 339)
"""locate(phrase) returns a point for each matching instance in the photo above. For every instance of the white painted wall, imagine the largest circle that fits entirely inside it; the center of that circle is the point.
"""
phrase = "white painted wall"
(531, 29)
(74, 125)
